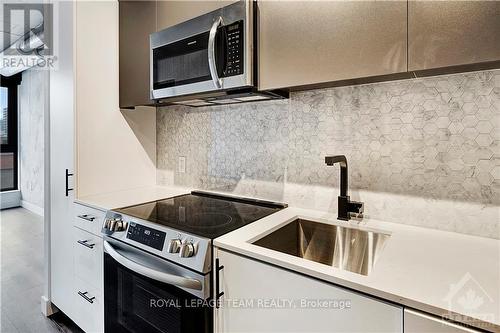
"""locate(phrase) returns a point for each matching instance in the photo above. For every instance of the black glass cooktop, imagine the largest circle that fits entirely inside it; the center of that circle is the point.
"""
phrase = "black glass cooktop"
(203, 214)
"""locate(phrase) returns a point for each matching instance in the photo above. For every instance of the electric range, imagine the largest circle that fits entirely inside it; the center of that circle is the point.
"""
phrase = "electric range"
(162, 250)
(181, 229)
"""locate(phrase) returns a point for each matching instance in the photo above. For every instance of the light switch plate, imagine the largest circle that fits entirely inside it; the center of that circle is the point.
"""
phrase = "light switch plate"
(181, 165)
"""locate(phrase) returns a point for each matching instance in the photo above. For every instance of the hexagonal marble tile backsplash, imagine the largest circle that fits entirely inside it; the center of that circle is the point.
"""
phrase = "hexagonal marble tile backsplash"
(436, 137)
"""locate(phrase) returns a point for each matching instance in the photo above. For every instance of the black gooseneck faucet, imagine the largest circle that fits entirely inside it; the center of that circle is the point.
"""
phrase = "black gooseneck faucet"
(346, 206)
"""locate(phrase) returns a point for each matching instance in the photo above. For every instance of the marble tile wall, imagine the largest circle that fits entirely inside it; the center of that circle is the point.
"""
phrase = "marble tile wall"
(432, 143)
(32, 103)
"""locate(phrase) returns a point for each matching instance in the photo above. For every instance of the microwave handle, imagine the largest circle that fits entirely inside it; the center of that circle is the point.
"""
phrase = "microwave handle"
(175, 280)
(211, 53)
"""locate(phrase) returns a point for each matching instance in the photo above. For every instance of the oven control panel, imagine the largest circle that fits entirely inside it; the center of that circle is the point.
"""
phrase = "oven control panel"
(146, 235)
(176, 246)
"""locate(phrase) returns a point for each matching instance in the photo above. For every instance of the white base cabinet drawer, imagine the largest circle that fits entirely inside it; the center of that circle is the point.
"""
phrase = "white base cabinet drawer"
(88, 218)
(89, 305)
(262, 298)
(87, 258)
(417, 322)
(87, 294)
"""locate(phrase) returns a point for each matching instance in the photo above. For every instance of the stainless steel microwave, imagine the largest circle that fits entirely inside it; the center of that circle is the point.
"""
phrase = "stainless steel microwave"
(208, 54)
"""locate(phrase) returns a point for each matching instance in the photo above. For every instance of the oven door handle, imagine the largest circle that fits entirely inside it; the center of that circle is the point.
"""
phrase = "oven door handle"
(211, 53)
(175, 280)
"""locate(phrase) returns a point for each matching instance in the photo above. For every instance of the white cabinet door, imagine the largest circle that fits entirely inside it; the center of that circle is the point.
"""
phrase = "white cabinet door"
(61, 158)
(417, 322)
(262, 298)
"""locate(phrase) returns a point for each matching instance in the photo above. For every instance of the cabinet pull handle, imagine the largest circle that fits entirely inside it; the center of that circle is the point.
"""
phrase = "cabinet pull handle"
(85, 297)
(218, 293)
(87, 217)
(85, 243)
(67, 182)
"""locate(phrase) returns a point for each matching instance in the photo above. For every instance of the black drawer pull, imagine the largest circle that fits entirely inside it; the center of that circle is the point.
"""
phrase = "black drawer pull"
(86, 243)
(218, 293)
(85, 297)
(87, 217)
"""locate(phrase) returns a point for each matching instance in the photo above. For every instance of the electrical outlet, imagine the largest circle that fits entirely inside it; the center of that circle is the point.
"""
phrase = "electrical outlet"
(181, 166)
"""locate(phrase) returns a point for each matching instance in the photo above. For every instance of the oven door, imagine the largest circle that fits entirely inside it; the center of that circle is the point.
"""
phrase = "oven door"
(143, 293)
(209, 53)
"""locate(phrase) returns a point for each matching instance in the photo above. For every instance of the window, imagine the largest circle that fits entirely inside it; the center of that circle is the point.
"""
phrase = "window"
(4, 92)
(8, 132)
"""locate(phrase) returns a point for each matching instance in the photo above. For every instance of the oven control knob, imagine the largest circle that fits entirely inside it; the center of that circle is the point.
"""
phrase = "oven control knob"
(108, 225)
(112, 224)
(174, 245)
(120, 225)
(187, 250)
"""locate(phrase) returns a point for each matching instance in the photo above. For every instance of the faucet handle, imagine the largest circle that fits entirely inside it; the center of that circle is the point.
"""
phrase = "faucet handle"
(331, 160)
(356, 209)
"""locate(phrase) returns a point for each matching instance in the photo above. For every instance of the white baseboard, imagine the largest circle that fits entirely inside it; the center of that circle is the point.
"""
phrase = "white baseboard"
(32, 207)
(10, 199)
(47, 307)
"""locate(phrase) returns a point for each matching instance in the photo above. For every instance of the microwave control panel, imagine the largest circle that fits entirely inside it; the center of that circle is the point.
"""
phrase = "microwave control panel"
(234, 56)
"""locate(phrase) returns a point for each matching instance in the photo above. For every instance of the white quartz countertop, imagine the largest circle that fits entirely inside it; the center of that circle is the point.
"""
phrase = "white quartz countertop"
(425, 269)
(433, 271)
(130, 197)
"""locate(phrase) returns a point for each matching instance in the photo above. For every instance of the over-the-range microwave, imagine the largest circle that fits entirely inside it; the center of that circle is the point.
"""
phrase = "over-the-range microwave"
(208, 60)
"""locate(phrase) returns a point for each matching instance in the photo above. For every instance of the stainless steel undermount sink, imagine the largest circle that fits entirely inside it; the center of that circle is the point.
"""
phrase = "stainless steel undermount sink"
(347, 248)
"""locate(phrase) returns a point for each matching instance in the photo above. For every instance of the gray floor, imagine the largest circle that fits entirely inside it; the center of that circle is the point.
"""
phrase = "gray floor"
(21, 273)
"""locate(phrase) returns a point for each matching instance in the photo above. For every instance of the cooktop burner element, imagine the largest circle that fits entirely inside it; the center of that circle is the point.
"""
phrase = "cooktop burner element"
(209, 220)
(180, 229)
(201, 213)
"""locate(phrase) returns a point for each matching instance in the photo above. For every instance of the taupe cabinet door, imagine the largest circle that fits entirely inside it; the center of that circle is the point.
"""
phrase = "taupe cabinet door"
(448, 33)
(173, 12)
(137, 21)
(310, 42)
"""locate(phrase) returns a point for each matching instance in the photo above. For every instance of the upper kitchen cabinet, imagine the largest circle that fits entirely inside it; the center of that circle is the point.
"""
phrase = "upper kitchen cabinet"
(170, 13)
(137, 21)
(311, 42)
(450, 33)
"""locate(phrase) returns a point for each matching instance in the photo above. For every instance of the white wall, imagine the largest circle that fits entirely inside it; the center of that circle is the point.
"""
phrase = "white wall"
(115, 148)
(32, 102)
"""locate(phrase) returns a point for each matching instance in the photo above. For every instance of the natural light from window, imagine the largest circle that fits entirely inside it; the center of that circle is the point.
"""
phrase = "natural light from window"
(3, 115)
(7, 157)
